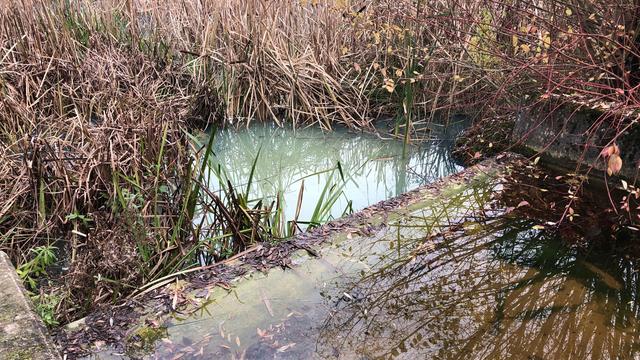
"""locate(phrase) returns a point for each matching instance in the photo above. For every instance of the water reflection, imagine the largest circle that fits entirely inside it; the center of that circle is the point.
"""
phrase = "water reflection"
(374, 169)
(501, 293)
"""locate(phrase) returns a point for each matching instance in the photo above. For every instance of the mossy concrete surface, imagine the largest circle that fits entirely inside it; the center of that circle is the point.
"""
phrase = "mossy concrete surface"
(22, 334)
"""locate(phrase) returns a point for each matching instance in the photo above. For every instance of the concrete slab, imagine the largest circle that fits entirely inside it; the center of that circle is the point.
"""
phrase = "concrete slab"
(557, 130)
(22, 334)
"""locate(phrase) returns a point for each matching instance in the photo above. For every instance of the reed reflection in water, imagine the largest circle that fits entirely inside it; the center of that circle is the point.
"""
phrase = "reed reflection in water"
(373, 169)
(494, 289)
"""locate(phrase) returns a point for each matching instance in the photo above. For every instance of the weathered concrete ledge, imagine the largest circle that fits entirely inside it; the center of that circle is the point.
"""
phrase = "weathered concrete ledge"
(22, 334)
(134, 330)
(557, 131)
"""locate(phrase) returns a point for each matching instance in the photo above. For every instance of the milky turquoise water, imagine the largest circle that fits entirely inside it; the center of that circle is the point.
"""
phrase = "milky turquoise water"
(371, 168)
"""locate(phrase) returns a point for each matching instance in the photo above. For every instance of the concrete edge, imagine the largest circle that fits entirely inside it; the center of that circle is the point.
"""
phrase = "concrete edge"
(23, 336)
(555, 130)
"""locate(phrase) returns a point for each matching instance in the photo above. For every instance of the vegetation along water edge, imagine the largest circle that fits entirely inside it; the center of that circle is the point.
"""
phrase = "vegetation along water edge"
(109, 112)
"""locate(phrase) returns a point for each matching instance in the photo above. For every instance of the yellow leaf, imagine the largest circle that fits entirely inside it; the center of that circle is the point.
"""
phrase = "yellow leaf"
(568, 12)
(614, 164)
(376, 38)
(610, 150)
(546, 40)
(525, 48)
(545, 59)
(514, 40)
(389, 85)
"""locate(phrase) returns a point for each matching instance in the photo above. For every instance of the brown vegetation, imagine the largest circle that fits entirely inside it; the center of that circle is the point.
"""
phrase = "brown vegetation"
(97, 98)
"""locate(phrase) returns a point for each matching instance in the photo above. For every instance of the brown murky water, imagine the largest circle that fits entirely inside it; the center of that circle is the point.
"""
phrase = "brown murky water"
(485, 286)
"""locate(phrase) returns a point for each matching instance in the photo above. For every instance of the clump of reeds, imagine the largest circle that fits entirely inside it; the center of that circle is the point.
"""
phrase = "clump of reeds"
(93, 153)
(97, 167)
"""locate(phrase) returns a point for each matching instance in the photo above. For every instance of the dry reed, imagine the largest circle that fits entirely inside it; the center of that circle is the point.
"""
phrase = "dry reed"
(96, 98)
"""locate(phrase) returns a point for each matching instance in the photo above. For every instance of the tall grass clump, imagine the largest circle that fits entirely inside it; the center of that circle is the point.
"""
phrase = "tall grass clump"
(98, 100)
(93, 152)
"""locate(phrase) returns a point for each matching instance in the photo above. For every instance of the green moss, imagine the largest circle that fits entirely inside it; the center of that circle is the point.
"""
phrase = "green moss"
(20, 354)
(143, 340)
(8, 312)
(33, 352)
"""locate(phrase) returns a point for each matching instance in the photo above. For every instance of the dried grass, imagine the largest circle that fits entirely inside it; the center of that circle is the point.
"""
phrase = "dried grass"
(96, 98)
(81, 128)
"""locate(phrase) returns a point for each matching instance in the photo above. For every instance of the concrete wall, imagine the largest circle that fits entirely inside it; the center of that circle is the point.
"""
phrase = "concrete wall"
(558, 132)
(22, 334)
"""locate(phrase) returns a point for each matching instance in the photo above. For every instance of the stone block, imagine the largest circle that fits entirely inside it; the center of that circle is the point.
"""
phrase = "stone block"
(22, 334)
